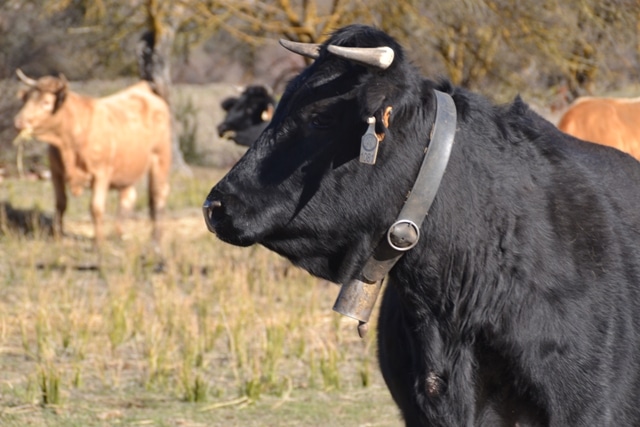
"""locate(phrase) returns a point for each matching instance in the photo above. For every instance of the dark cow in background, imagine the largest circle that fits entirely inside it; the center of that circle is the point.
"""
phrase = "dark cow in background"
(247, 115)
(608, 121)
(519, 304)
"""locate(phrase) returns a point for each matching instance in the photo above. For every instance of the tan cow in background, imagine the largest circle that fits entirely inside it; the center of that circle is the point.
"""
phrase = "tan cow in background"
(608, 121)
(105, 143)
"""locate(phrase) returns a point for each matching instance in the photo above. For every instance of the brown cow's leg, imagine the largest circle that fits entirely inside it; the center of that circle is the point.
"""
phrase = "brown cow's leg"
(98, 200)
(158, 191)
(128, 197)
(57, 179)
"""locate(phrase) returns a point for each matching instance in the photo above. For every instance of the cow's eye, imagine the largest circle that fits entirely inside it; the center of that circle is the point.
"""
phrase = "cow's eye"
(320, 121)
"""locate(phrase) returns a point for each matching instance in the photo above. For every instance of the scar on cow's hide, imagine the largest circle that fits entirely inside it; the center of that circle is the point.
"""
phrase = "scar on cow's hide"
(434, 384)
(385, 122)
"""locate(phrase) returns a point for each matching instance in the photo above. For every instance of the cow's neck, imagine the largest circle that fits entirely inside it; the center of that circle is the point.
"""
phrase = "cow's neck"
(357, 297)
(471, 255)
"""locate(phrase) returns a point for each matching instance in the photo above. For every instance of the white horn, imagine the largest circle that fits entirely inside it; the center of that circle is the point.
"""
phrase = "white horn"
(380, 57)
(26, 80)
(310, 50)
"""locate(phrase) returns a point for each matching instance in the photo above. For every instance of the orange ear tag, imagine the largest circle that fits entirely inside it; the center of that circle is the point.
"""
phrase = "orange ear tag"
(267, 114)
(369, 143)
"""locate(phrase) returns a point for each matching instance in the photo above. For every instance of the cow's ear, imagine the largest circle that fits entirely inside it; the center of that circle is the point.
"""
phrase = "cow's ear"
(268, 113)
(61, 92)
(22, 94)
(63, 83)
(228, 103)
(383, 121)
(386, 116)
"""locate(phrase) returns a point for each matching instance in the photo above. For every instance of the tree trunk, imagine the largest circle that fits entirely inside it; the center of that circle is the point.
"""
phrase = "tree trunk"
(162, 29)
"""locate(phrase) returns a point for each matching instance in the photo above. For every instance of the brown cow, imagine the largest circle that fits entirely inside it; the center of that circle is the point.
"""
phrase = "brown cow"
(106, 143)
(606, 121)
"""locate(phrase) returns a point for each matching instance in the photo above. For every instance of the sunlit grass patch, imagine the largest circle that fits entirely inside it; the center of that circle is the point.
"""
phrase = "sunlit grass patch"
(90, 338)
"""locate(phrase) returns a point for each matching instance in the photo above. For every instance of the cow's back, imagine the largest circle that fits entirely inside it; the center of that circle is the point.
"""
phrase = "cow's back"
(606, 121)
(616, 176)
(129, 129)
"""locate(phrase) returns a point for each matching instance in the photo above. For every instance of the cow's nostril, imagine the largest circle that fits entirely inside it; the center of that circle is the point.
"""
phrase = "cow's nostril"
(208, 209)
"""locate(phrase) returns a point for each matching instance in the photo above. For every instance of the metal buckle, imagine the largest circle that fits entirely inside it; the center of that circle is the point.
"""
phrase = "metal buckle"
(403, 235)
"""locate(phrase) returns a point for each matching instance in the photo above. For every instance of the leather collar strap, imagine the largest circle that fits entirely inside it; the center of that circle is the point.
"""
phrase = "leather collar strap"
(357, 298)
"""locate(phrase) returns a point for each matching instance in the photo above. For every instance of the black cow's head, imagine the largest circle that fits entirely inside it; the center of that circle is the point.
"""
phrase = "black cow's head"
(300, 189)
(247, 115)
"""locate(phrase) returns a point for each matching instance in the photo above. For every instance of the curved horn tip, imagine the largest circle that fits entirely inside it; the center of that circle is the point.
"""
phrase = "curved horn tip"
(387, 57)
(23, 77)
(381, 57)
(310, 50)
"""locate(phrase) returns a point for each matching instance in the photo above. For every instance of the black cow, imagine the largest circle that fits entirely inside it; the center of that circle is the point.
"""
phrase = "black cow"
(519, 304)
(247, 115)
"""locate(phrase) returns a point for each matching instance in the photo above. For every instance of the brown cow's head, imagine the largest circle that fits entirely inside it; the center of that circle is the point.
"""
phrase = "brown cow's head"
(42, 100)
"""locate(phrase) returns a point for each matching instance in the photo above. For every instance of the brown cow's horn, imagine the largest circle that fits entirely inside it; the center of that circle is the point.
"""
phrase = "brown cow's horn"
(26, 80)
(310, 50)
(380, 57)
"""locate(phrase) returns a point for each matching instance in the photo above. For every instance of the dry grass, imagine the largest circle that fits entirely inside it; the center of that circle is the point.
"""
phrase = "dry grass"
(202, 333)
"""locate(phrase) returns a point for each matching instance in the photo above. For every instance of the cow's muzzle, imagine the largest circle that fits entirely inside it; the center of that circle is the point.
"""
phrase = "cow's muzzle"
(19, 123)
(223, 129)
(211, 209)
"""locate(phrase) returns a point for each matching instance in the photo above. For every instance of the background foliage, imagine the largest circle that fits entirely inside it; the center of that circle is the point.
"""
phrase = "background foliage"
(549, 51)
(496, 45)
